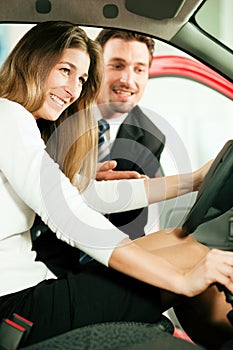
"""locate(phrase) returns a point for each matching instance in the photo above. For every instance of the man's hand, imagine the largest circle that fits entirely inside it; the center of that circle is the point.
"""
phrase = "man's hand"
(105, 171)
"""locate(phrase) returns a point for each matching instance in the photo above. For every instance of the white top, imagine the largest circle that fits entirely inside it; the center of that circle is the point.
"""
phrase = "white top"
(31, 182)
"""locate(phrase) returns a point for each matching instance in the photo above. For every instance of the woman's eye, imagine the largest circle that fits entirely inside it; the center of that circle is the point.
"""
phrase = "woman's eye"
(82, 80)
(65, 70)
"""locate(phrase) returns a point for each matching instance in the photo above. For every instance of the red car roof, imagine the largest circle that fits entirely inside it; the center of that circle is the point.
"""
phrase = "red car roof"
(169, 65)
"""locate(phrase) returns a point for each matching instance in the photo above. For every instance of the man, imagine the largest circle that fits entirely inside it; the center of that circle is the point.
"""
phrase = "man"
(134, 141)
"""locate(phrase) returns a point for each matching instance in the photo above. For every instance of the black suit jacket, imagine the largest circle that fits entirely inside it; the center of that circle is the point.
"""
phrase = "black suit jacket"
(138, 146)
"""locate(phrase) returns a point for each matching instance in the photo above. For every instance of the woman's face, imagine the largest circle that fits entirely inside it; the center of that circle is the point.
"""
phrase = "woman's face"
(64, 83)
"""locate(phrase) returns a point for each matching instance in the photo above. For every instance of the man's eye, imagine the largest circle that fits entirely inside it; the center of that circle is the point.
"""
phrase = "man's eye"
(116, 66)
(140, 70)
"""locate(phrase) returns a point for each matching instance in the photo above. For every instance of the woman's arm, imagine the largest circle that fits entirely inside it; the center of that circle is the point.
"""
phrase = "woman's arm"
(33, 183)
(207, 268)
(132, 260)
(168, 187)
(114, 196)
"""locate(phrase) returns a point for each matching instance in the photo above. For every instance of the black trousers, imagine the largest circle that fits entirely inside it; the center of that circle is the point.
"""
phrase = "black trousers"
(95, 294)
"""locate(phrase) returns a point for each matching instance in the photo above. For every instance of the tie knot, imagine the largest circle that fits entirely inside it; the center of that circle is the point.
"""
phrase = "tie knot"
(103, 126)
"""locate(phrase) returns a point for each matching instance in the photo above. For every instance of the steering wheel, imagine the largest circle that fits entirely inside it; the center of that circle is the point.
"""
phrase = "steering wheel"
(214, 198)
(215, 195)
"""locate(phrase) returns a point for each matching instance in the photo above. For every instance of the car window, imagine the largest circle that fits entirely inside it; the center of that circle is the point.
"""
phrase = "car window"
(215, 17)
(9, 35)
(200, 116)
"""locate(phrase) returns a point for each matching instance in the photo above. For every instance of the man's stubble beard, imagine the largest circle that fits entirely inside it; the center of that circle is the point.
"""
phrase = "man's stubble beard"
(120, 107)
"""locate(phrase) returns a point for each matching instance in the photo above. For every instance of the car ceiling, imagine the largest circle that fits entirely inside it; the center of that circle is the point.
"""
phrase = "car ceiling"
(167, 20)
(160, 18)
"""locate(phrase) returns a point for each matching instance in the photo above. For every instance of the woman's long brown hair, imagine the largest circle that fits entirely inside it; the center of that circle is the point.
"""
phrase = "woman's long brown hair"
(72, 139)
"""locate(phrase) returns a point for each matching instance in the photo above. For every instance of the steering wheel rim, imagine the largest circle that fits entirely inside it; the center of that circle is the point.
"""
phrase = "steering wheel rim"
(215, 195)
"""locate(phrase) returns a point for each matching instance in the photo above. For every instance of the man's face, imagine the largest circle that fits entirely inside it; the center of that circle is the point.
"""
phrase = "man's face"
(125, 77)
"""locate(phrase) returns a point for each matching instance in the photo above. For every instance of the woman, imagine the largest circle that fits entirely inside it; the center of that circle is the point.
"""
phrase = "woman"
(54, 70)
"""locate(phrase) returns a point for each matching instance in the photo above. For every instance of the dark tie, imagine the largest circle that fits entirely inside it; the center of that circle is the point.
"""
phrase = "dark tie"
(103, 148)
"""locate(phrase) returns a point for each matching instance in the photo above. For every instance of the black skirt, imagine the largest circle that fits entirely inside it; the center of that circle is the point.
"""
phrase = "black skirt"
(94, 295)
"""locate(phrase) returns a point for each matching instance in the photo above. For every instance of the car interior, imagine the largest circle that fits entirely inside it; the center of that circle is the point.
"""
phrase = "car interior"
(189, 96)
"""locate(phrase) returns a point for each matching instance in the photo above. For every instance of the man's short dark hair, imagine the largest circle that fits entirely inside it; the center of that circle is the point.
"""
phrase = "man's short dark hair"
(107, 34)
